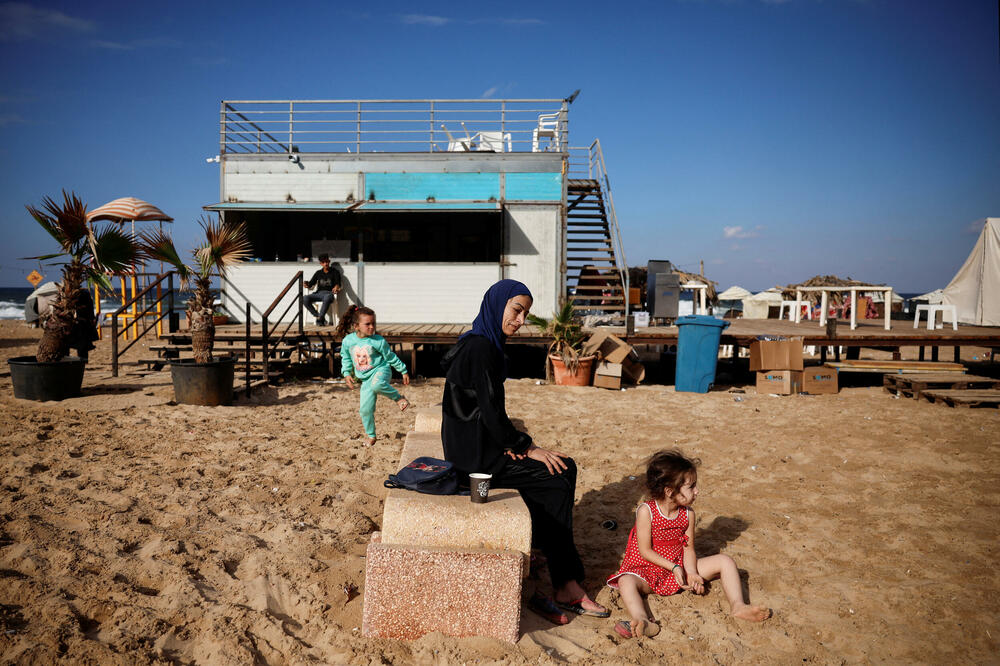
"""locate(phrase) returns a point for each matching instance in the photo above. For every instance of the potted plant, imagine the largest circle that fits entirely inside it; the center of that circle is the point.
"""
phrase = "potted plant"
(564, 363)
(204, 380)
(52, 374)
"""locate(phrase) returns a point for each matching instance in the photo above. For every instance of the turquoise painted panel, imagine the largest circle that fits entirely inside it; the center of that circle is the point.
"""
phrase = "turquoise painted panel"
(426, 205)
(441, 186)
(533, 187)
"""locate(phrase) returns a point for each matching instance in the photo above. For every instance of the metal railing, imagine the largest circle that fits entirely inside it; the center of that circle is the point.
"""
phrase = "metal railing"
(265, 334)
(151, 309)
(588, 163)
(378, 125)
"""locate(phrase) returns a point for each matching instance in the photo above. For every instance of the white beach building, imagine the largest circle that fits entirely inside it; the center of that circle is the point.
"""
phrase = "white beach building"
(419, 222)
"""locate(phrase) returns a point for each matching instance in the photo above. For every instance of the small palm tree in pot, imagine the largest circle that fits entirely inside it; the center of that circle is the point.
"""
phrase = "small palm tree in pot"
(93, 255)
(225, 246)
(563, 361)
(206, 381)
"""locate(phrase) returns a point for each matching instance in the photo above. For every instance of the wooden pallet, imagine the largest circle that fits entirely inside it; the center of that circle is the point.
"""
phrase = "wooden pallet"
(896, 367)
(911, 385)
(964, 397)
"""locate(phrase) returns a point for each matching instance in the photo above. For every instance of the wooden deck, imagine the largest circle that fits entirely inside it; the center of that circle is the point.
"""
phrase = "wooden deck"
(741, 332)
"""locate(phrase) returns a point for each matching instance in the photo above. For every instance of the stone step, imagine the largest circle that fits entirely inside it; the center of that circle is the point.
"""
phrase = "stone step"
(428, 419)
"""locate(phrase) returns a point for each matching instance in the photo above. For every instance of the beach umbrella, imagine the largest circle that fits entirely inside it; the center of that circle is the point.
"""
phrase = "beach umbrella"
(128, 209)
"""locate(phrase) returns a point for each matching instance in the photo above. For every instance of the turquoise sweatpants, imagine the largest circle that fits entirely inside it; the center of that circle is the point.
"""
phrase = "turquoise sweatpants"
(370, 389)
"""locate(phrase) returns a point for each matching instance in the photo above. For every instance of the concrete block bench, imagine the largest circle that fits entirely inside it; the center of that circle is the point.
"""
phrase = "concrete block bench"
(442, 563)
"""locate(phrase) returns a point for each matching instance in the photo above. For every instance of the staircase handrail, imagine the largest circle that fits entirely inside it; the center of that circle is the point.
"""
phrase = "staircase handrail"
(266, 334)
(597, 170)
(169, 294)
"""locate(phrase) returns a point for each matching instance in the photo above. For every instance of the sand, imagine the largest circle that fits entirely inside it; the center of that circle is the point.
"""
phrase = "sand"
(134, 530)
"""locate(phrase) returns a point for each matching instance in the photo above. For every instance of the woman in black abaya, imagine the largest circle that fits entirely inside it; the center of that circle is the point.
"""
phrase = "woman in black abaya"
(479, 437)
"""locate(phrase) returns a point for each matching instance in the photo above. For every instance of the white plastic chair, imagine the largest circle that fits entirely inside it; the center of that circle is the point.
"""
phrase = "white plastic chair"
(491, 142)
(548, 128)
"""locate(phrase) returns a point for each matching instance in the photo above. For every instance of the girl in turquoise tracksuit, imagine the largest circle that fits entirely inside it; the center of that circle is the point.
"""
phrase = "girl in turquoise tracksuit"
(366, 356)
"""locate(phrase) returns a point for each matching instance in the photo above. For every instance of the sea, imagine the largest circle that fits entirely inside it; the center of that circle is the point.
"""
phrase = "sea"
(12, 302)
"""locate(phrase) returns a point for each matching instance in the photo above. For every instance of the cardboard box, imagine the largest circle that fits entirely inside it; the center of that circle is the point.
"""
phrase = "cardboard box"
(776, 354)
(611, 348)
(820, 380)
(613, 375)
(608, 375)
(782, 382)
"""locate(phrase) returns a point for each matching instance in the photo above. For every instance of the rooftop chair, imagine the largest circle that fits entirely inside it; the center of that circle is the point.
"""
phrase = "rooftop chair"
(460, 145)
(548, 128)
(491, 142)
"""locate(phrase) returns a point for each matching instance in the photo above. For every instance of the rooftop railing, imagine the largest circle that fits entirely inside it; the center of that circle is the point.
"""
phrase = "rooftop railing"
(375, 125)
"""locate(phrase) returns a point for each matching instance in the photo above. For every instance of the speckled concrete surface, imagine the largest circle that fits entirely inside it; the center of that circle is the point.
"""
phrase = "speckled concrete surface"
(454, 521)
(428, 419)
(412, 591)
(421, 444)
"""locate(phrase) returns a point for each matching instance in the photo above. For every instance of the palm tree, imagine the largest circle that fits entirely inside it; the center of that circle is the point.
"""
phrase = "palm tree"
(225, 245)
(92, 255)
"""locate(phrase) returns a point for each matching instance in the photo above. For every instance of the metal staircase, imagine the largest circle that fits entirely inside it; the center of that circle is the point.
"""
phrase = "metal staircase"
(596, 270)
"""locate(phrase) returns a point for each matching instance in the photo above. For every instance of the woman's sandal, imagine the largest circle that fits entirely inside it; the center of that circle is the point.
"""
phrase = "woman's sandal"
(577, 607)
(547, 608)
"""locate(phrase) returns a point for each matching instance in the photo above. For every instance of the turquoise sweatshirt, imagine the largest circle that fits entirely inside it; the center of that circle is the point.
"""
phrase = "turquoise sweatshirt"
(362, 357)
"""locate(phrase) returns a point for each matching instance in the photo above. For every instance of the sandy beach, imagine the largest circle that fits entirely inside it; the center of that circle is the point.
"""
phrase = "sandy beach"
(134, 530)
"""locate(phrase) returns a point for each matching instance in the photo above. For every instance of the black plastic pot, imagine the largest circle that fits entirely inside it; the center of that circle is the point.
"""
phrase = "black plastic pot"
(207, 384)
(56, 380)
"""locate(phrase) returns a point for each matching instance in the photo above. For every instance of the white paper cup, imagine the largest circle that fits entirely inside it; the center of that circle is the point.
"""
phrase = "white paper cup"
(479, 487)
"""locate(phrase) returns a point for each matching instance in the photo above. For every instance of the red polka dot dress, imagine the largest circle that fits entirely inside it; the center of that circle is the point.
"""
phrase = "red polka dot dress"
(668, 538)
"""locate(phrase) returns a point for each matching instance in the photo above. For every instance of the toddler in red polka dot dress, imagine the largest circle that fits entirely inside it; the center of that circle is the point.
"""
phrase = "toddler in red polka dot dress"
(660, 557)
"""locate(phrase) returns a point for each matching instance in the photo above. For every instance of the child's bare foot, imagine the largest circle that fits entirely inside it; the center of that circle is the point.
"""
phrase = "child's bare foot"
(369, 441)
(751, 613)
(645, 628)
(637, 628)
(403, 404)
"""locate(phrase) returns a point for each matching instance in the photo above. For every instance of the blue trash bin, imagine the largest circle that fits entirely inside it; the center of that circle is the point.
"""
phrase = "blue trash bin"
(697, 352)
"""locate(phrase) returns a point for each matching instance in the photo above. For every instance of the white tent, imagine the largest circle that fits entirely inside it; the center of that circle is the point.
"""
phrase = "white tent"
(735, 293)
(975, 289)
(758, 305)
(931, 297)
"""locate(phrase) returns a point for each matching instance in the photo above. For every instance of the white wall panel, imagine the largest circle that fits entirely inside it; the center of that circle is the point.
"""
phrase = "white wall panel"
(260, 283)
(533, 249)
(302, 187)
(427, 293)
(399, 293)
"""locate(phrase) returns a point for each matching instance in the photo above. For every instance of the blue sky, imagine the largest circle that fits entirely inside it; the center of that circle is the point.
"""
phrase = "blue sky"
(775, 140)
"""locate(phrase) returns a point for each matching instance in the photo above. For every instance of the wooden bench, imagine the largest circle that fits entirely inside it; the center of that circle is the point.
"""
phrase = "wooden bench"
(442, 563)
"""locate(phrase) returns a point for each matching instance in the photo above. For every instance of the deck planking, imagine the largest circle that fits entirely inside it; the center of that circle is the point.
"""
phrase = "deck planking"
(741, 332)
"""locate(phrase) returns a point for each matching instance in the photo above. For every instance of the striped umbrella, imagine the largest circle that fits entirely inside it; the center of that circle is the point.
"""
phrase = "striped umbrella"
(128, 209)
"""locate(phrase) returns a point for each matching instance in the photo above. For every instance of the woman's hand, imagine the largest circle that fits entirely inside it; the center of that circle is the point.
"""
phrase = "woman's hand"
(551, 459)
